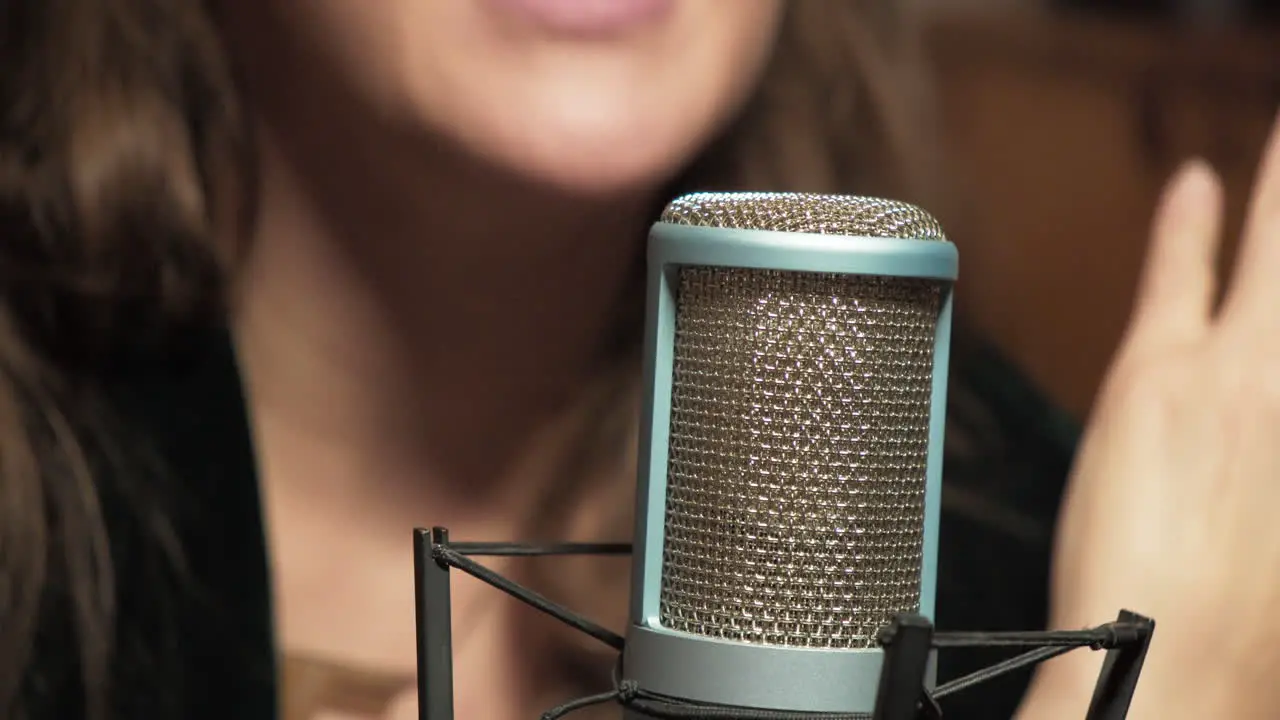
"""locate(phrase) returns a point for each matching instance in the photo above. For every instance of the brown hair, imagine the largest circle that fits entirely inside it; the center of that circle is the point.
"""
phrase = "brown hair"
(123, 149)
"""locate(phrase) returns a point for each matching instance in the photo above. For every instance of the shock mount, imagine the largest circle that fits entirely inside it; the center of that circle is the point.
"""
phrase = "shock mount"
(908, 642)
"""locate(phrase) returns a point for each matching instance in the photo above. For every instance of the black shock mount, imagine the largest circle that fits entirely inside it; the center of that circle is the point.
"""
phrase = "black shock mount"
(908, 642)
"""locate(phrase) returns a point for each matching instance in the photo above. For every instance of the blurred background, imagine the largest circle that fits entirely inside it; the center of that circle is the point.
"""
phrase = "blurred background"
(1061, 121)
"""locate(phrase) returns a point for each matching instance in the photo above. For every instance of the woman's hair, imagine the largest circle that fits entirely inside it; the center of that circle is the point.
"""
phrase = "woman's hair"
(124, 151)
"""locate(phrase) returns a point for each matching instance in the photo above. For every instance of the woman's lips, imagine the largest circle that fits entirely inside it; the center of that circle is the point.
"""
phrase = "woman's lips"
(586, 17)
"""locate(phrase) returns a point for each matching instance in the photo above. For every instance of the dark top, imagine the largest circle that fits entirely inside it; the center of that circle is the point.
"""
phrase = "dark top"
(197, 642)
(194, 633)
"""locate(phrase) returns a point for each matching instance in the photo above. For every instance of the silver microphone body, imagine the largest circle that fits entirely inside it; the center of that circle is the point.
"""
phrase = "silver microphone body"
(791, 446)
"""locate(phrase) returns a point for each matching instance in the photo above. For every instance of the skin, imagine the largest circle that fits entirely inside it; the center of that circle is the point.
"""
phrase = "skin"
(442, 183)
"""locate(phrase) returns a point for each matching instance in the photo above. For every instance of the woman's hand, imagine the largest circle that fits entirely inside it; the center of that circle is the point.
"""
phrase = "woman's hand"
(1173, 509)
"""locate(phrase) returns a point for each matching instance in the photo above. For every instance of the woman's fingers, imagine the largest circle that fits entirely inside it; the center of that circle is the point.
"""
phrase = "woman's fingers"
(1252, 304)
(1175, 296)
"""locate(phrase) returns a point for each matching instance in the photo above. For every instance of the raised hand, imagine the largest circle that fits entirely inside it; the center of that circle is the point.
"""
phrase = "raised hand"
(1173, 509)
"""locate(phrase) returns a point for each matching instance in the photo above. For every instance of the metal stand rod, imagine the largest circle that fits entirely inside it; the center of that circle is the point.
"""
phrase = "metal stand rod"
(902, 694)
(435, 627)
(500, 549)
(1120, 670)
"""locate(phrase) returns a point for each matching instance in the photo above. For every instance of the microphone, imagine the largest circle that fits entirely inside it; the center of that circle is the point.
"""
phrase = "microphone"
(789, 482)
(790, 463)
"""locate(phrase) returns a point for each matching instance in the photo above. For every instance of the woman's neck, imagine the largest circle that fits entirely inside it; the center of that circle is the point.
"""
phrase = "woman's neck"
(411, 324)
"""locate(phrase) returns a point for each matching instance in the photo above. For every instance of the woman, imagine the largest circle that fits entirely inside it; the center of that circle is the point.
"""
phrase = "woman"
(418, 225)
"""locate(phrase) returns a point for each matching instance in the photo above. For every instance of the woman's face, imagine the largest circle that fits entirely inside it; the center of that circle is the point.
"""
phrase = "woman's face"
(594, 96)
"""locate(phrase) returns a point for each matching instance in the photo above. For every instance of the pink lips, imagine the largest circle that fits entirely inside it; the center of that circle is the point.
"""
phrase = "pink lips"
(586, 17)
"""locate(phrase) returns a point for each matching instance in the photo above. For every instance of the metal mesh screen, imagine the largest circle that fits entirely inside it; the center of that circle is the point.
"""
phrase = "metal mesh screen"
(805, 213)
(798, 443)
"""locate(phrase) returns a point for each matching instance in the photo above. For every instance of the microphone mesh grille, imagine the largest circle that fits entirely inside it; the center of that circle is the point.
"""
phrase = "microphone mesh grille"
(798, 438)
(805, 213)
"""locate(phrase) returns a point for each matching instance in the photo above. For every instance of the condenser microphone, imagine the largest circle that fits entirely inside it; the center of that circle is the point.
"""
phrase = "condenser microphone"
(791, 447)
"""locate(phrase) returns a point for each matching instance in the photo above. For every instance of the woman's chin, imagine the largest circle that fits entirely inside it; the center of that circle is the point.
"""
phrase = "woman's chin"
(611, 169)
(604, 180)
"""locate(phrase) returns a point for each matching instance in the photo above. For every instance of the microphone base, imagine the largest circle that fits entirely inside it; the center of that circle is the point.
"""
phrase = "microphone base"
(767, 677)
